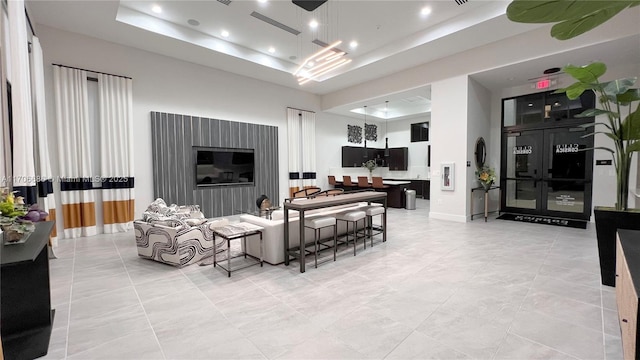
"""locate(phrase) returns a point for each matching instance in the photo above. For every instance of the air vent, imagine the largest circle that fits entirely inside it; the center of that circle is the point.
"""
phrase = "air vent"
(277, 24)
(324, 45)
(226, 2)
(416, 99)
(459, 2)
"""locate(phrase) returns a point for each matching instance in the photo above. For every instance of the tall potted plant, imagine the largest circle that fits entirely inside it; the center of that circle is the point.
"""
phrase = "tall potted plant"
(572, 18)
(617, 100)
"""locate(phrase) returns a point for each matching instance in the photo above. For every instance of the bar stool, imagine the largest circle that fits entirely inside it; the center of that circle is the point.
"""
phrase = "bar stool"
(317, 224)
(351, 216)
(371, 211)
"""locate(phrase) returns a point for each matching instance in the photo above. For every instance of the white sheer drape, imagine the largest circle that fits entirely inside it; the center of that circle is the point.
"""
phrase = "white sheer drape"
(308, 146)
(293, 137)
(24, 176)
(301, 133)
(116, 152)
(46, 197)
(72, 116)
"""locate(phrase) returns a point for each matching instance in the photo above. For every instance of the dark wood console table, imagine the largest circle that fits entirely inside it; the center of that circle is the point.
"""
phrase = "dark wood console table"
(26, 316)
(486, 200)
(324, 202)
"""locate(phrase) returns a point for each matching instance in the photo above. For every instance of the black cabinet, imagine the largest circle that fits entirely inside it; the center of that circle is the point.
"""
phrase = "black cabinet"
(26, 317)
(398, 158)
(354, 156)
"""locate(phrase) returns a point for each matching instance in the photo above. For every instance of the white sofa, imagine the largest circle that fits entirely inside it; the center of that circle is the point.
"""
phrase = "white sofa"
(273, 233)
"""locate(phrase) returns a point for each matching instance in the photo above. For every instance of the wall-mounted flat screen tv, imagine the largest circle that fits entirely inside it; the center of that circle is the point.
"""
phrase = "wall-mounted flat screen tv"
(224, 166)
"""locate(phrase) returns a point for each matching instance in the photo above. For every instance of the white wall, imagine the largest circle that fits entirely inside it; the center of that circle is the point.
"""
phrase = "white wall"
(478, 125)
(449, 145)
(333, 134)
(400, 136)
(166, 84)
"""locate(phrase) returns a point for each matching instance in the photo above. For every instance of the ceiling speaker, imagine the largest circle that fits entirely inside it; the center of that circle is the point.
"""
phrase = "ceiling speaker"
(309, 5)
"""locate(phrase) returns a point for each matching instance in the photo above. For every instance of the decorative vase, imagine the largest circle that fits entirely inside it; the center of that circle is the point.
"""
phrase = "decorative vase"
(17, 233)
(370, 175)
(486, 185)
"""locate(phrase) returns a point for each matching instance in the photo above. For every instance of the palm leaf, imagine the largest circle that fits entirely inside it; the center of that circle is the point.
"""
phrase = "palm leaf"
(577, 26)
(629, 96)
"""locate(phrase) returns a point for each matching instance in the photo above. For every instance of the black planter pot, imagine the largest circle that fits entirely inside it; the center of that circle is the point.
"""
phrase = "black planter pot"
(608, 221)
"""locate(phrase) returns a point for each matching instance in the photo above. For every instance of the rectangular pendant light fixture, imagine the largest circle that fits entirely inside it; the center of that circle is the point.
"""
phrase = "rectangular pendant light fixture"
(320, 63)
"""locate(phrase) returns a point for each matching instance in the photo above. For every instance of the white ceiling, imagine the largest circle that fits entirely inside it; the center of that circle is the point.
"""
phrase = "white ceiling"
(392, 36)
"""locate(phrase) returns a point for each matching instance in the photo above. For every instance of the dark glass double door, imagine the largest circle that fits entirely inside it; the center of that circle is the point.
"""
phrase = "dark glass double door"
(546, 172)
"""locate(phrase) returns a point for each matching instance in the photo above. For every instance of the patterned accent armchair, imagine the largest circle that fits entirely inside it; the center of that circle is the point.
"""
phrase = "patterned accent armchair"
(178, 237)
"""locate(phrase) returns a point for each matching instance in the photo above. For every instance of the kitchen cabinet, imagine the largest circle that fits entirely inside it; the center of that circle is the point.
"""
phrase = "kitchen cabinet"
(627, 281)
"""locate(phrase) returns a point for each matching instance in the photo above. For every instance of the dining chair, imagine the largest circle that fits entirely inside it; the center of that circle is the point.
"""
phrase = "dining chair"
(377, 183)
(363, 182)
(330, 192)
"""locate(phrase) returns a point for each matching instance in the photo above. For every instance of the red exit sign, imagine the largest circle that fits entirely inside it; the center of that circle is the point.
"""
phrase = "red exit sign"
(543, 84)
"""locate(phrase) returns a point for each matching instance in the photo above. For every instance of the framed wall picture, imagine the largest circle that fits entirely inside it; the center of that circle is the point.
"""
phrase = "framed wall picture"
(448, 176)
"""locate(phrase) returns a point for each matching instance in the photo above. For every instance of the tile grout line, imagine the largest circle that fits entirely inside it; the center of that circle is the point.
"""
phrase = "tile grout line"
(73, 270)
(533, 341)
(155, 336)
(222, 313)
(524, 299)
(546, 346)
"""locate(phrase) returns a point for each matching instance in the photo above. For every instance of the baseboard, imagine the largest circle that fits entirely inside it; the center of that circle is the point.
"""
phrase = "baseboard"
(448, 217)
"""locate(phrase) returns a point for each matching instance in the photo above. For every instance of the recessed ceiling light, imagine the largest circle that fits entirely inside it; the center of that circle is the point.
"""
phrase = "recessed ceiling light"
(156, 9)
(353, 44)
(530, 104)
(313, 24)
(224, 33)
(425, 11)
(193, 22)
(272, 49)
(262, 1)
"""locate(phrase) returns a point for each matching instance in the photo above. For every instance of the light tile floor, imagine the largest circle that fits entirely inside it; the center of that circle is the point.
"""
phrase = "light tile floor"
(434, 290)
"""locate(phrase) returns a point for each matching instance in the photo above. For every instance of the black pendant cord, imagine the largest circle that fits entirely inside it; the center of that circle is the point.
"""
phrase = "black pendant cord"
(364, 132)
(386, 128)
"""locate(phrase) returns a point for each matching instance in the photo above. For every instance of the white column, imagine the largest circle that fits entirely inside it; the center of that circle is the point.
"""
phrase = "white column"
(449, 145)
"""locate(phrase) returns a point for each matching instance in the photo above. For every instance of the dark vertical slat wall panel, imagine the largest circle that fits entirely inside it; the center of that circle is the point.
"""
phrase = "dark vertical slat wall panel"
(173, 138)
(154, 152)
(188, 158)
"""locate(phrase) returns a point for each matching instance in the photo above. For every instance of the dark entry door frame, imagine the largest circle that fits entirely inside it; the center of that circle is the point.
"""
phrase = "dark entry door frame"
(547, 172)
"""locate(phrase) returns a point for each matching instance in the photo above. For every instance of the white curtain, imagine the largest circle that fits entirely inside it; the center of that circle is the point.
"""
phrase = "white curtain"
(302, 149)
(5, 159)
(72, 117)
(24, 176)
(293, 136)
(116, 152)
(308, 147)
(46, 197)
